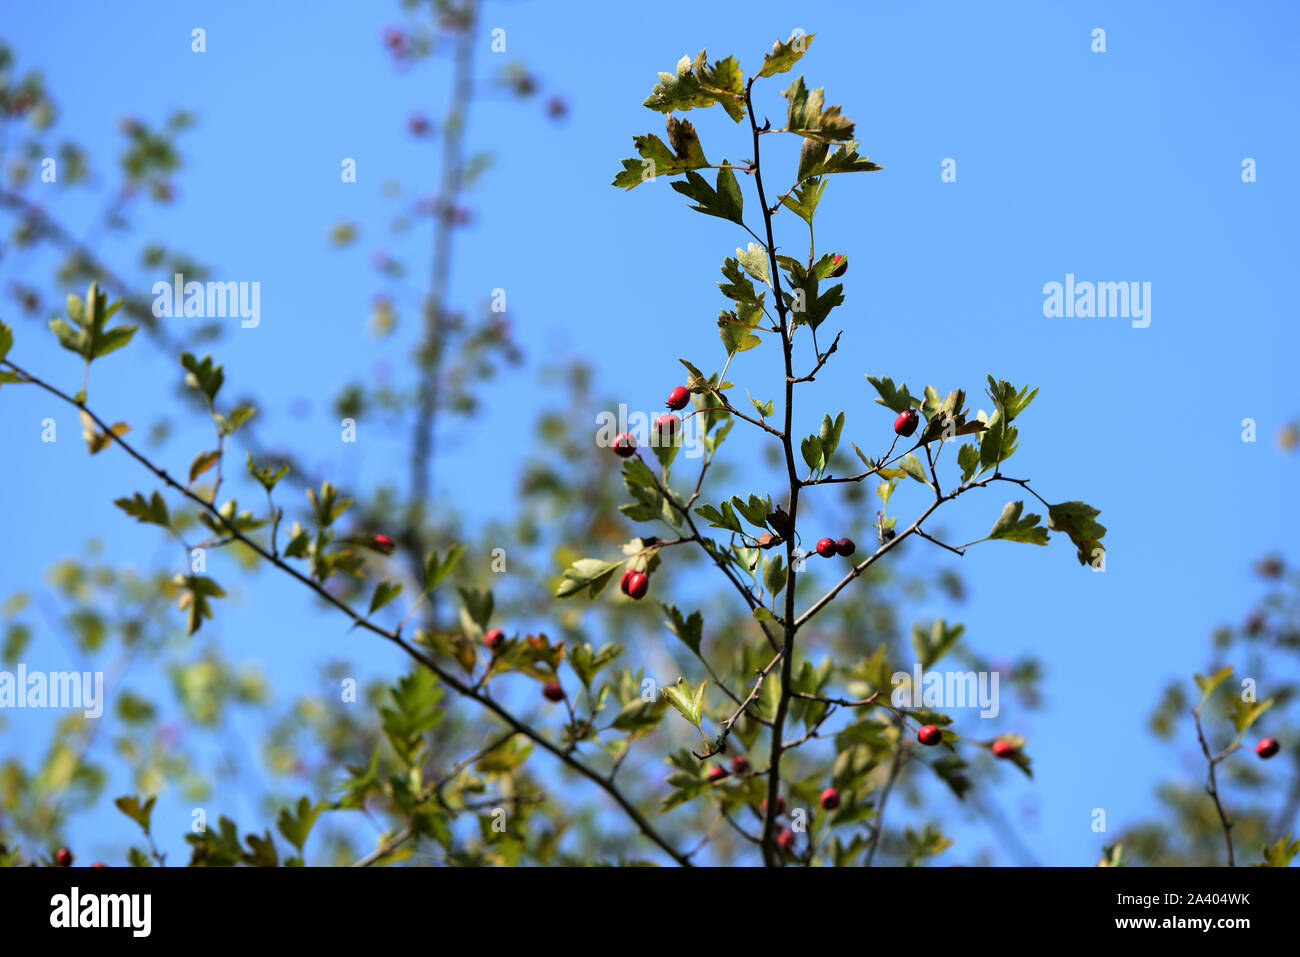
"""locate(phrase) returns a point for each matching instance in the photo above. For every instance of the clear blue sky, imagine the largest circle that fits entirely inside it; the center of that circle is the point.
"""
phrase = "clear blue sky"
(1115, 166)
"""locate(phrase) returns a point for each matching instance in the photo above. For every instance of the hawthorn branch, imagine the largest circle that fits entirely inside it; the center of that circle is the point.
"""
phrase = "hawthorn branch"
(446, 677)
(1211, 784)
(770, 856)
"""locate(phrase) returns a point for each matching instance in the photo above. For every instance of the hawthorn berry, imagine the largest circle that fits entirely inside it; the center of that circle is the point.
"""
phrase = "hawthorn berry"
(785, 840)
(830, 799)
(717, 773)
(417, 124)
(888, 535)
(63, 857)
(906, 422)
(1003, 749)
(553, 692)
(494, 638)
(622, 582)
(841, 266)
(638, 584)
(930, 735)
(624, 445)
(678, 398)
(740, 765)
(780, 806)
(99, 864)
(384, 544)
(668, 424)
(845, 547)
(1267, 747)
(826, 547)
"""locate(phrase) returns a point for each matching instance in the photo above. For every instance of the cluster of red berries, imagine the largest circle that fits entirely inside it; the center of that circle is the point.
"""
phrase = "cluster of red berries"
(665, 426)
(829, 547)
(740, 766)
(634, 584)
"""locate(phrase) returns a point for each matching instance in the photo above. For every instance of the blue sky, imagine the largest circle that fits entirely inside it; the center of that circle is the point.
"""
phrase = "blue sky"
(1115, 166)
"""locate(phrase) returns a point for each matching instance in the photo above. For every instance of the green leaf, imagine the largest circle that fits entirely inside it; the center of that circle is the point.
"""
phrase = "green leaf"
(296, 827)
(968, 457)
(809, 116)
(267, 477)
(1078, 520)
(1011, 527)
(1280, 853)
(140, 813)
(478, 605)
(697, 85)
(774, 574)
(639, 717)
(816, 160)
(830, 435)
(912, 467)
(202, 462)
(737, 328)
(785, 55)
(436, 569)
(658, 160)
(811, 448)
(586, 662)
(725, 201)
(689, 630)
(6, 340)
(803, 201)
(764, 409)
(203, 376)
(753, 259)
(385, 592)
(685, 701)
(238, 416)
(737, 287)
(896, 399)
(589, 573)
(151, 511)
(1245, 713)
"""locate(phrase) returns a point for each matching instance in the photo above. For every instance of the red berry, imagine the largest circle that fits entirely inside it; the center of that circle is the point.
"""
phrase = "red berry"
(638, 584)
(1003, 749)
(930, 735)
(622, 582)
(494, 638)
(384, 544)
(841, 266)
(678, 398)
(845, 547)
(99, 864)
(717, 773)
(740, 765)
(417, 124)
(393, 37)
(905, 424)
(780, 806)
(1267, 747)
(668, 424)
(830, 799)
(785, 840)
(553, 691)
(825, 547)
(624, 445)
(63, 857)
